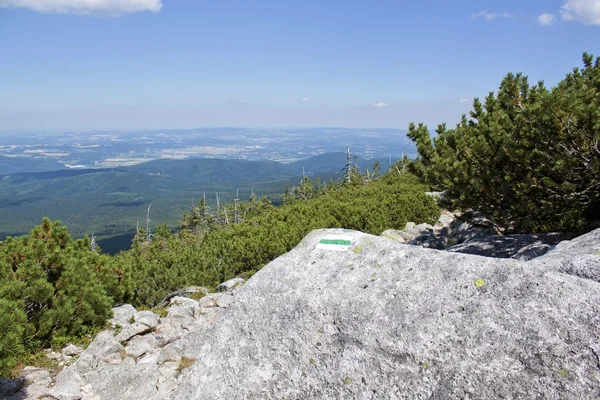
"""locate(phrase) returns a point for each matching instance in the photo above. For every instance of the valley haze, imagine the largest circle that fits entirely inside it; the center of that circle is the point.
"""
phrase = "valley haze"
(102, 182)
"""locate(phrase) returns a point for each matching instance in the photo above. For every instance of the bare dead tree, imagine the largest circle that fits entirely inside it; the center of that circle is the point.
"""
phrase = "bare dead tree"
(148, 235)
(347, 168)
(93, 243)
(236, 211)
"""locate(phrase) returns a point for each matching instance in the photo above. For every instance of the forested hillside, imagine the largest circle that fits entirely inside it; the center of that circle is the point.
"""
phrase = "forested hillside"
(109, 202)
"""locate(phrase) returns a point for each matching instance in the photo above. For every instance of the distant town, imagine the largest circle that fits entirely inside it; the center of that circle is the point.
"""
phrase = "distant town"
(116, 149)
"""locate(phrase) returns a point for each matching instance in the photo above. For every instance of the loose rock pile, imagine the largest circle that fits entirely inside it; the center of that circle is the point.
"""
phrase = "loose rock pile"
(142, 356)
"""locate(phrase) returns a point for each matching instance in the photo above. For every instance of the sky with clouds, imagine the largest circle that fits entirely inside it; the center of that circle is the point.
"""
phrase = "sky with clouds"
(152, 64)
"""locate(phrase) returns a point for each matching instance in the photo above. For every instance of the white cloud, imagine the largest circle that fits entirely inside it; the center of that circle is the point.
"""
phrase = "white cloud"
(463, 100)
(488, 16)
(304, 99)
(546, 19)
(381, 104)
(584, 11)
(85, 7)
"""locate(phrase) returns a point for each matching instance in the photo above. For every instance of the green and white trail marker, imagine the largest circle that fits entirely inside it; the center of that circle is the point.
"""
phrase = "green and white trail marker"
(335, 242)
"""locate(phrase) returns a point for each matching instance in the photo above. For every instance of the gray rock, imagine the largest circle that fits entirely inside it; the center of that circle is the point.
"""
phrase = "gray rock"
(124, 382)
(104, 349)
(394, 235)
(183, 312)
(71, 350)
(532, 251)
(147, 318)
(53, 355)
(396, 321)
(578, 257)
(9, 387)
(168, 370)
(183, 293)
(225, 300)
(128, 360)
(230, 284)
(122, 314)
(166, 333)
(445, 219)
(132, 330)
(208, 301)
(140, 345)
(67, 385)
(222, 300)
(424, 227)
(149, 359)
(522, 247)
(37, 376)
(409, 226)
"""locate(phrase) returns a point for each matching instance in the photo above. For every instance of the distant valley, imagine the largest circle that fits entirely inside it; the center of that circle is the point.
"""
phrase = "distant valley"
(40, 151)
(110, 202)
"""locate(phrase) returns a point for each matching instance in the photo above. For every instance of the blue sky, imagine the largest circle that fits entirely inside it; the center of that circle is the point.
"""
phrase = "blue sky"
(151, 64)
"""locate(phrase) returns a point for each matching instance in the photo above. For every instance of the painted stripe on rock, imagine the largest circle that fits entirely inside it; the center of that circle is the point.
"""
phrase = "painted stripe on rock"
(335, 242)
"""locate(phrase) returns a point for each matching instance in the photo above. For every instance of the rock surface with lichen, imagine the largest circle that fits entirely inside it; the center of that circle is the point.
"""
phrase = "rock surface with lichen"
(399, 321)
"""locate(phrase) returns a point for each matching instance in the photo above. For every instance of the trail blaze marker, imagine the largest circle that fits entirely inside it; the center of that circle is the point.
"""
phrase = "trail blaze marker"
(335, 242)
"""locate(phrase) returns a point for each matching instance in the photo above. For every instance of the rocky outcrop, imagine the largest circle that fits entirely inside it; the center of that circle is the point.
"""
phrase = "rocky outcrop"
(141, 357)
(351, 315)
(383, 320)
(471, 233)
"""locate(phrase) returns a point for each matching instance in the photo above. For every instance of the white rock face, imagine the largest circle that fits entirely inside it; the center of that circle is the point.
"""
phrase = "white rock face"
(386, 320)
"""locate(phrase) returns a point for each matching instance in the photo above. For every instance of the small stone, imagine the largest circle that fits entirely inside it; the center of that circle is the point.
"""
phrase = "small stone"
(208, 301)
(71, 350)
(140, 345)
(132, 330)
(225, 300)
(230, 284)
(147, 318)
(395, 235)
(122, 314)
(424, 227)
(53, 355)
(165, 334)
(38, 376)
(149, 359)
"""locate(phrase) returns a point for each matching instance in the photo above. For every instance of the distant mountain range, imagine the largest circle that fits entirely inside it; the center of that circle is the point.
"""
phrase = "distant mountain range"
(110, 202)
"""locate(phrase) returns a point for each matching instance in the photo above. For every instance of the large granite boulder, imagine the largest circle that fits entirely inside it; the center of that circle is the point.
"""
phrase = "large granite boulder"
(350, 315)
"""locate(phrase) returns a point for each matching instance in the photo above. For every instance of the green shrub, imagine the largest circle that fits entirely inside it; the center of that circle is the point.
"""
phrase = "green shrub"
(527, 157)
(13, 322)
(172, 261)
(51, 288)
